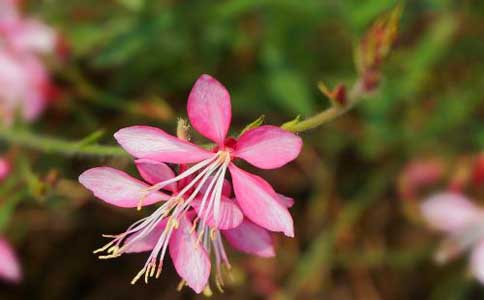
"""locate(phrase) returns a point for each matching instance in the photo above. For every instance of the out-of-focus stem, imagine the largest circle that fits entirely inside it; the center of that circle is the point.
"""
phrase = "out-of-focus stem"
(329, 114)
(55, 145)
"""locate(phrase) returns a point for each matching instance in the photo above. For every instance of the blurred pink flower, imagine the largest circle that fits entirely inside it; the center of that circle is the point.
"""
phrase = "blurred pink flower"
(24, 84)
(266, 147)
(24, 81)
(9, 10)
(417, 175)
(9, 264)
(5, 168)
(463, 222)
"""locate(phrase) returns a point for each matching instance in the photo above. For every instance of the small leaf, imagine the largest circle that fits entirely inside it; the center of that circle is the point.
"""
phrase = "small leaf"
(289, 125)
(258, 122)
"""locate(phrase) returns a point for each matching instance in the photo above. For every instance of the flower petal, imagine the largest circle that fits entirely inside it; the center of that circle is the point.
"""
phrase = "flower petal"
(251, 239)
(189, 258)
(153, 143)
(260, 203)
(268, 147)
(148, 242)
(477, 261)
(9, 264)
(31, 36)
(209, 108)
(449, 211)
(118, 188)
(230, 214)
(285, 201)
(5, 168)
(154, 172)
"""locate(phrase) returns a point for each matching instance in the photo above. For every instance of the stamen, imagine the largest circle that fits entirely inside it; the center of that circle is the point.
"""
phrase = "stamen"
(185, 174)
(181, 285)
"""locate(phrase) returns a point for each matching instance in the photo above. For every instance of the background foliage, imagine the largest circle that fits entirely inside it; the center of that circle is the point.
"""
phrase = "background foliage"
(134, 61)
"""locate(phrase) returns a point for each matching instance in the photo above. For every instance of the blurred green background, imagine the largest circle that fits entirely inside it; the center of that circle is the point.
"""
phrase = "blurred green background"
(134, 62)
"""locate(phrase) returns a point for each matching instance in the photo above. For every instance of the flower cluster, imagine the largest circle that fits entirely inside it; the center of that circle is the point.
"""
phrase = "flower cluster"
(24, 81)
(199, 205)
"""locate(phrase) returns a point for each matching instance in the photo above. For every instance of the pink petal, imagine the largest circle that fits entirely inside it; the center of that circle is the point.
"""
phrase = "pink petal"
(5, 168)
(8, 10)
(154, 172)
(22, 86)
(449, 211)
(189, 257)
(37, 79)
(153, 143)
(260, 203)
(268, 147)
(29, 36)
(477, 262)
(251, 239)
(9, 264)
(118, 188)
(285, 201)
(209, 108)
(226, 187)
(148, 242)
(230, 214)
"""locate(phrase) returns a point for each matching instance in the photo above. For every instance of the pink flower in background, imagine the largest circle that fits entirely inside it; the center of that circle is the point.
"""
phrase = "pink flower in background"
(9, 10)
(9, 264)
(24, 81)
(463, 222)
(265, 147)
(419, 174)
(24, 86)
(5, 168)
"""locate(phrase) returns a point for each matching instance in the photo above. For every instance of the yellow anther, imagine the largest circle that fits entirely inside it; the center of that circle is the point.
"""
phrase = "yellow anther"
(181, 285)
(207, 292)
(138, 276)
(173, 223)
(140, 202)
(213, 234)
(194, 226)
(219, 283)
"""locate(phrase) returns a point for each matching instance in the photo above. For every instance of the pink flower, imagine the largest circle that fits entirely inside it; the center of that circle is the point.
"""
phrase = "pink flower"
(418, 175)
(197, 205)
(265, 147)
(24, 81)
(24, 84)
(8, 10)
(9, 264)
(463, 222)
(23, 35)
(5, 168)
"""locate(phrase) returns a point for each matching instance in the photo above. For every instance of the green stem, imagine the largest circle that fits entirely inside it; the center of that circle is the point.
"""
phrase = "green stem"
(54, 145)
(329, 114)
